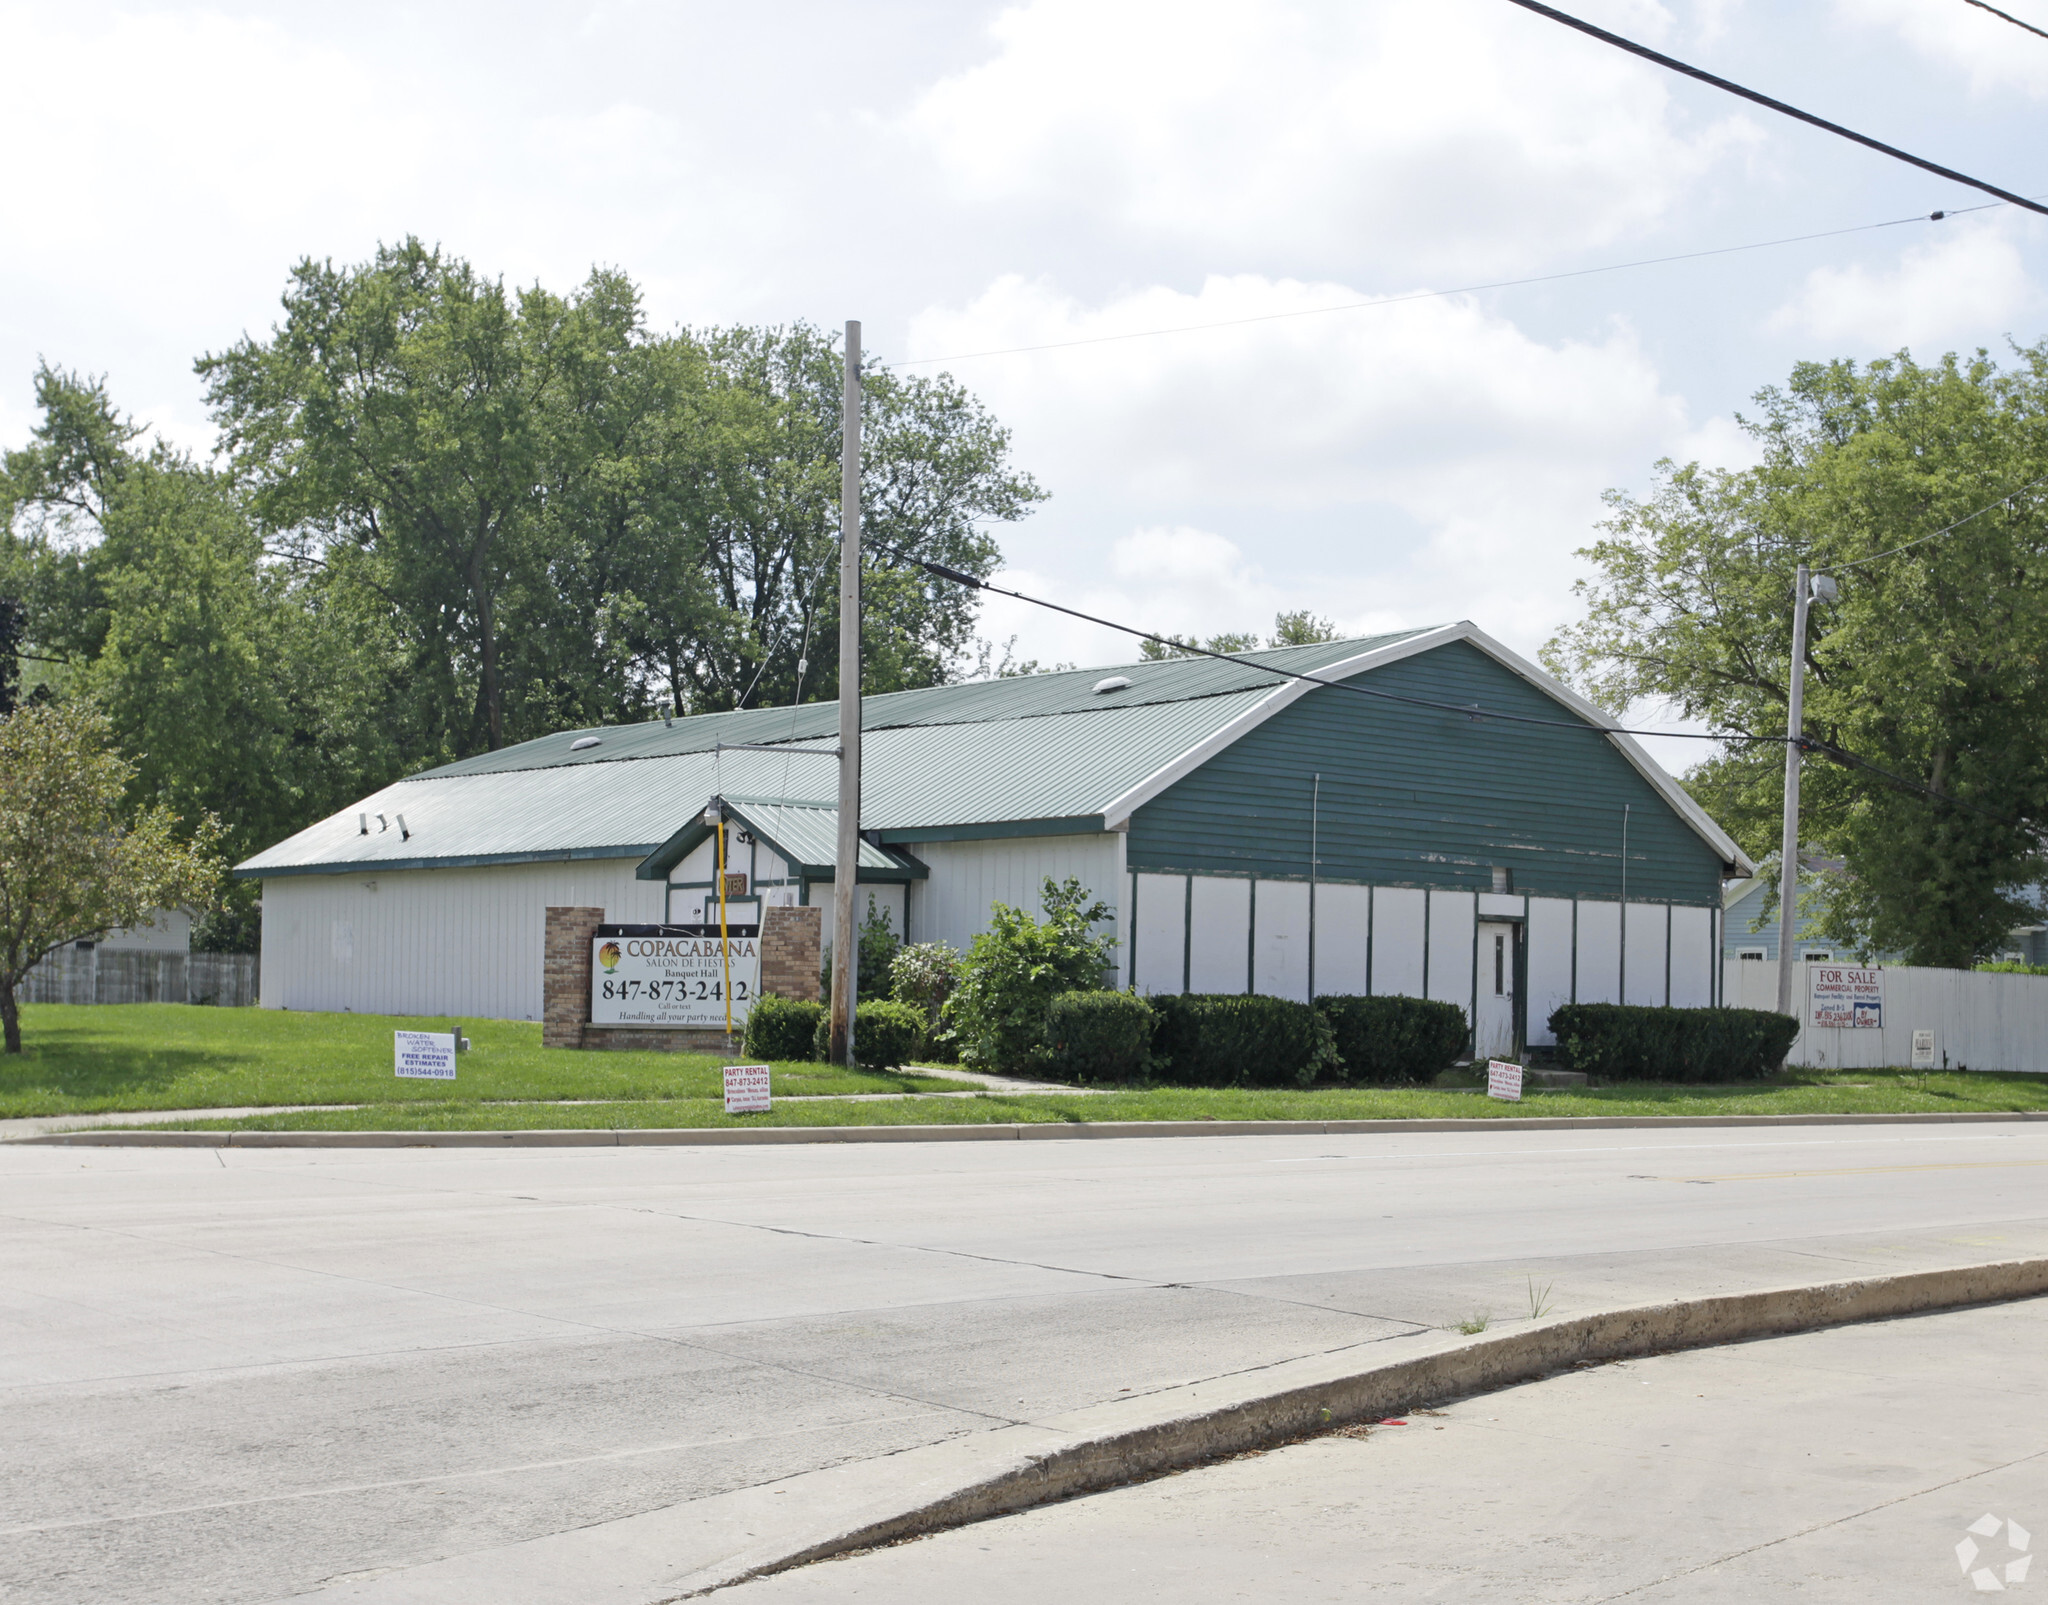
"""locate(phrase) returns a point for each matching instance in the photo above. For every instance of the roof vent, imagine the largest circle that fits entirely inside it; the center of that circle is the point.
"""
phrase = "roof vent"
(1116, 682)
(585, 743)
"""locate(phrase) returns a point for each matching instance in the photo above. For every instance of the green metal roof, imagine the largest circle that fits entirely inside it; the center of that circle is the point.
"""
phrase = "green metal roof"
(805, 834)
(1044, 750)
(1037, 747)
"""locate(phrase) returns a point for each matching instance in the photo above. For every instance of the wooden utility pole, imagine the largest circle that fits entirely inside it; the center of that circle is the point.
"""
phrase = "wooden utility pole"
(1788, 842)
(846, 874)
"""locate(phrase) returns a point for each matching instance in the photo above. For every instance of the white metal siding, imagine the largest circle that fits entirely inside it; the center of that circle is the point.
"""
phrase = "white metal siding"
(1692, 957)
(1549, 948)
(1599, 952)
(1645, 938)
(460, 942)
(1219, 933)
(1280, 945)
(1342, 916)
(1397, 913)
(1451, 930)
(967, 877)
(1161, 924)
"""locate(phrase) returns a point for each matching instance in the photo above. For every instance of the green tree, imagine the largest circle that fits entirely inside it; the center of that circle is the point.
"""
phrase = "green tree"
(1932, 665)
(573, 520)
(1015, 969)
(71, 869)
(1301, 628)
(235, 688)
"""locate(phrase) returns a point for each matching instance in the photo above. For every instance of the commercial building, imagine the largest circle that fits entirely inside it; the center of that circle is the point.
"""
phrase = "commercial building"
(1428, 814)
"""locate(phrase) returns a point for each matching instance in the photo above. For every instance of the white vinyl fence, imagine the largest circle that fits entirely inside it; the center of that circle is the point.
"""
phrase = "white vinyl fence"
(116, 975)
(1980, 1022)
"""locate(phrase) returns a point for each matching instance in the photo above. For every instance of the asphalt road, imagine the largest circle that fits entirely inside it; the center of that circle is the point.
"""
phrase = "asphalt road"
(1843, 1466)
(247, 1376)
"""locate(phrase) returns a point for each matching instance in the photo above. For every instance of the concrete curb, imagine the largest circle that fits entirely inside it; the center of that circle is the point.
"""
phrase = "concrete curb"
(1301, 1405)
(742, 1136)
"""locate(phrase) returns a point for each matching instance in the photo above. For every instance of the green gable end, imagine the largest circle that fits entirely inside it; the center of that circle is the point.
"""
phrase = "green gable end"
(1415, 796)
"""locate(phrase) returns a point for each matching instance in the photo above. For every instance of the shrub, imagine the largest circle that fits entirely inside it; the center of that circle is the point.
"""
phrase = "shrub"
(782, 1028)
(885, 1035)
(1017, 967)
(1626, 1043)
(875, 945)
(925, 974)
(1235, 1039)
(1387, 1040)
(1099, 1036)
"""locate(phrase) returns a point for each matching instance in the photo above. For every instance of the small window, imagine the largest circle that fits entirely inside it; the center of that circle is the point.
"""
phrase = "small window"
(1756, 953)
(1503, 879)
(1816, 955)
(1500, 965)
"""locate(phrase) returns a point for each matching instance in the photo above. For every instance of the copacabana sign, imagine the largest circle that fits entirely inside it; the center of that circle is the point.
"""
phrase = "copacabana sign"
(673, 975)
(1844, 997)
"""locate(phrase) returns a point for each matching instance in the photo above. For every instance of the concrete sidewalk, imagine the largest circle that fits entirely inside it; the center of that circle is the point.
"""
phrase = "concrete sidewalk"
(572, 1376)
(1845, 1465)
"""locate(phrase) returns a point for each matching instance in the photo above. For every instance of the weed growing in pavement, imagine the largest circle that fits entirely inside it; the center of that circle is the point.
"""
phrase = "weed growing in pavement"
(1476, 1325)
(1539, 1302)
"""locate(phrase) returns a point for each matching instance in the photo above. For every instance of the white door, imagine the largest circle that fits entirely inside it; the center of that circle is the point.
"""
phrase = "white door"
(1493, 1031)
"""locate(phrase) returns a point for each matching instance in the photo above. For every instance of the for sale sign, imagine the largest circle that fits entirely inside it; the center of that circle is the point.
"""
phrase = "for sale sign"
(673, 975)
(1840, 997)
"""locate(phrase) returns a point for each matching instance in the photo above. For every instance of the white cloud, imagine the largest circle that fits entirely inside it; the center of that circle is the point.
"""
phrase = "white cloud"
(1406, 462)
(1969, 286)
(1452, 135)
(1994, 54)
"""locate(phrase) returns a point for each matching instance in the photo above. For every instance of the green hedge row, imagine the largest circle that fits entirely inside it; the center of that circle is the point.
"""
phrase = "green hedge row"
(1099, 1036)
(1625, 1042)
(1390, 1041)
(885, 1035)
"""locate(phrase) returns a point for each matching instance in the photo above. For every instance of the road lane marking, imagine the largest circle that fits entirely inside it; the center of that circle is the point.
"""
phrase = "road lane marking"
(1868, 1170)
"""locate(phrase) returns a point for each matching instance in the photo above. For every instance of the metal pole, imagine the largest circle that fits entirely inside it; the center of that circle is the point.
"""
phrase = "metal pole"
(1315, 815)
(1622, 980)
(724, 935)
(1788, 843)
(845, 971)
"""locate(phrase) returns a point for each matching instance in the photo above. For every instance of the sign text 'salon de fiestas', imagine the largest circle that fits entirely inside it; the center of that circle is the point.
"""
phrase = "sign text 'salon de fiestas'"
(673, 975)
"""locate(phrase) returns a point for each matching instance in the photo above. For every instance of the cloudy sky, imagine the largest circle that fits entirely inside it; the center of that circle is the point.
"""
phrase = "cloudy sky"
(972, 178)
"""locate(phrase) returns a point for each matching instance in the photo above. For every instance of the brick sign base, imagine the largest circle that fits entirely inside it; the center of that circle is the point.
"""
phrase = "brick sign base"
(790, 942)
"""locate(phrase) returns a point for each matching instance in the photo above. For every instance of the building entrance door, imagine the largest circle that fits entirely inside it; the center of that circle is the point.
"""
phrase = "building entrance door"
(1493, 1028)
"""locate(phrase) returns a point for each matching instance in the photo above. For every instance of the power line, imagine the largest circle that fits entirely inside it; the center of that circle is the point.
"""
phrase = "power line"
(1705, 77)
(1463, 289)
(1827, 749)
(2009, 17)
(1188, 648)
(1988, 507)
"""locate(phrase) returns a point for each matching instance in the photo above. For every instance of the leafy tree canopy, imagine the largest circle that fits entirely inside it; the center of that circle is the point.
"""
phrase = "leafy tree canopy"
(1289, 629)
(71, 869)
(1932, 665)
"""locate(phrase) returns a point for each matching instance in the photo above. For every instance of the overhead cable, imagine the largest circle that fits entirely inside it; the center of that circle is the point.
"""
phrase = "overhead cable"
(1705, 77)
(1436, 295)
(2009, 17)
(1946, 529)
(1472, 711)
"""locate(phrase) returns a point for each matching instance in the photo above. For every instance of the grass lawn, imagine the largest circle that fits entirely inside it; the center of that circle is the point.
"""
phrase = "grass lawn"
(1859, 1092)
(79, 1059)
